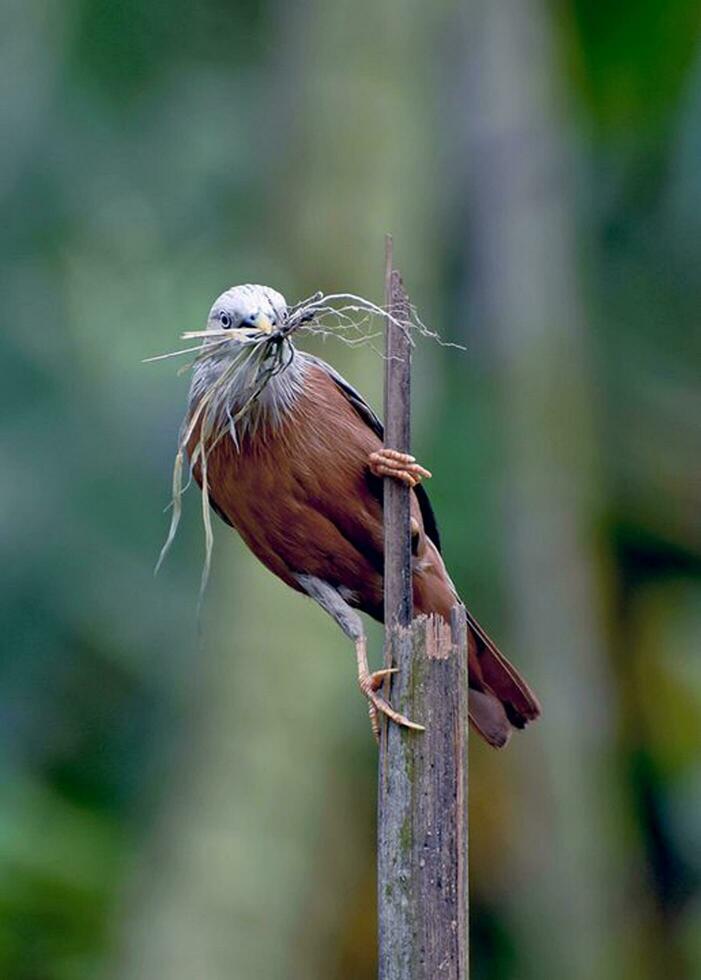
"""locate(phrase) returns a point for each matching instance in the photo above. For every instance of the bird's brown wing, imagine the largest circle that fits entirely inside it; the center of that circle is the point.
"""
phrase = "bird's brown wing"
(365, 412)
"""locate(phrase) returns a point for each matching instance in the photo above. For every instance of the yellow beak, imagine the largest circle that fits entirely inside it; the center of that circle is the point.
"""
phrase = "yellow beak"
(263, 323)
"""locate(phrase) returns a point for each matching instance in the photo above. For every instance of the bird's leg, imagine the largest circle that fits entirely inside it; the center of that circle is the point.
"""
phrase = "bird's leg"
(400, 466)
(352, 625)
(370, 684)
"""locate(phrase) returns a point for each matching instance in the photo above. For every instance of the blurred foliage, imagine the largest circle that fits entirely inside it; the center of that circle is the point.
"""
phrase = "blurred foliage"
(175, 803)
(634, 60)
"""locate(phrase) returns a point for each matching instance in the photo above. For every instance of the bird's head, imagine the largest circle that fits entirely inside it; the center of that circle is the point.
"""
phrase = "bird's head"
(250, 312)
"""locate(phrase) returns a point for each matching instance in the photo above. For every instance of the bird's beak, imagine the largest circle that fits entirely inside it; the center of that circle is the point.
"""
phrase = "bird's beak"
(263, 323)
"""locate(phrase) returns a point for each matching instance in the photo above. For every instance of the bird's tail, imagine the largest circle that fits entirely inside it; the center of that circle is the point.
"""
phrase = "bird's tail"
(500, 699)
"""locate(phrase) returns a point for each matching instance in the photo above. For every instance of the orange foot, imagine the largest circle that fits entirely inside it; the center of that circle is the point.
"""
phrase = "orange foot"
(377, 705)
(401, 466)
(370, 685)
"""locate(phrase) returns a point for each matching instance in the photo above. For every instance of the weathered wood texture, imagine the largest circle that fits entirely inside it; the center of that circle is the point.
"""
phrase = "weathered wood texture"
(398, 600)
(422, 853)
(422, 793)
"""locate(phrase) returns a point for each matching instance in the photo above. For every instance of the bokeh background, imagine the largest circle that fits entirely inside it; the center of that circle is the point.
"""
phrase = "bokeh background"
(181, 802)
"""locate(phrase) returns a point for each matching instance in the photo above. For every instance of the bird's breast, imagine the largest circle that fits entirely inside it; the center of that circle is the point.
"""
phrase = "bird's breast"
(298, 491)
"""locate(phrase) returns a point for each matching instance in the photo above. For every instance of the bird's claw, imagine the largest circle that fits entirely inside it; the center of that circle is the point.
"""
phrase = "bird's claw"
(375, 680)
(399, 466)
(377, 704)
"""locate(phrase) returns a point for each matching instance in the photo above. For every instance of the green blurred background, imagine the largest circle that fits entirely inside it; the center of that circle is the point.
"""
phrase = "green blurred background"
(179, 804)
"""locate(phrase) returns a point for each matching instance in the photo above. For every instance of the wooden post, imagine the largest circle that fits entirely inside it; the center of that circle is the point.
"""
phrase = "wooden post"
(422, 795)
(398, 601)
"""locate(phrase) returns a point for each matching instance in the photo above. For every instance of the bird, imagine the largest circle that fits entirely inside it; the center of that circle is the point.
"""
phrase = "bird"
(291, 456)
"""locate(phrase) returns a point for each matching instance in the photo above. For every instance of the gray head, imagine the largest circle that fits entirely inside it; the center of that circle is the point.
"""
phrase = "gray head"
(256, 368)
(253, 309)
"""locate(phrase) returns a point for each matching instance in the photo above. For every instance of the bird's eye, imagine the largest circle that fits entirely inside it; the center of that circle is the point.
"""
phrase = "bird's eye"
(225, 320)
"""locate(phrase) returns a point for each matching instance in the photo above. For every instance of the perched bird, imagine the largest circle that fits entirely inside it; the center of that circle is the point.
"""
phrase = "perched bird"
(291, 456)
